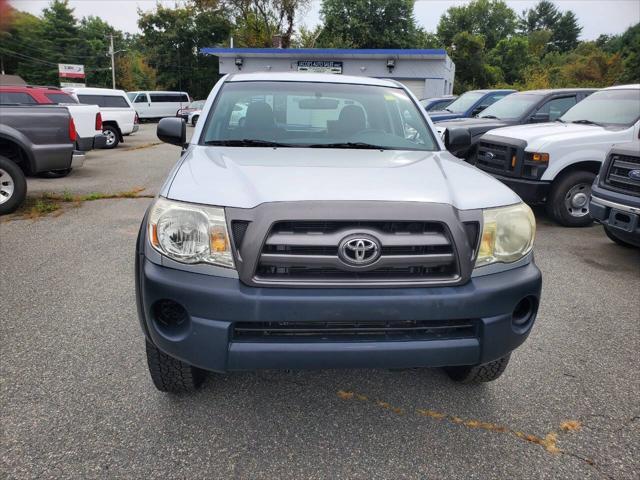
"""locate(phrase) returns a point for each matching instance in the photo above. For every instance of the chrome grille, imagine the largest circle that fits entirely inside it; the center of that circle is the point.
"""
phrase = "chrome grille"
(307, 251)
(617, 176)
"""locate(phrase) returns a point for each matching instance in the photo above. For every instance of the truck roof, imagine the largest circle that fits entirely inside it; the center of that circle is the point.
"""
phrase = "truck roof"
(635, 86)
(94, 91)
(310, 77)
(547, 91)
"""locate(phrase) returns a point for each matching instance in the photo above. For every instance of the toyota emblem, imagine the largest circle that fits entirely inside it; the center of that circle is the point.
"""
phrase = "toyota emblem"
(359, 250)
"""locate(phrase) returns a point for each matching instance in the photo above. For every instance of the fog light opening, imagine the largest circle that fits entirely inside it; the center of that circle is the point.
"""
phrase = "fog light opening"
(524, 313)
(170, 317)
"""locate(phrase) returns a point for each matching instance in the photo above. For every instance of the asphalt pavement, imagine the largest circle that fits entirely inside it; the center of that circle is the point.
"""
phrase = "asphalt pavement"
(76, 400)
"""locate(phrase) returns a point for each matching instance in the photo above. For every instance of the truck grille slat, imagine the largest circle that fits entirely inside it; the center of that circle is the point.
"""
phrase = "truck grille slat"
(307, 251)
(354, 331)
(617, 176)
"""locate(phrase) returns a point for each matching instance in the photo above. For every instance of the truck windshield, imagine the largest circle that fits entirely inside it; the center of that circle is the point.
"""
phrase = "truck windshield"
(607, 107)
(511, 107)
(317, 115)
(464, 102)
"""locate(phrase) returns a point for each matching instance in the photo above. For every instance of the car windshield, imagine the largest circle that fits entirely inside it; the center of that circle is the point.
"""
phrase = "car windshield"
(511, 107)
(464, 102)
(131, 95)
(198, 104)
(607, 107)
(317, 115)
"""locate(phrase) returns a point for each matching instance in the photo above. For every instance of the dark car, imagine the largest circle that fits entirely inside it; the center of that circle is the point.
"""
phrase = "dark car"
(615, 194)
(470, 104)
(534, 106)
(437, 103)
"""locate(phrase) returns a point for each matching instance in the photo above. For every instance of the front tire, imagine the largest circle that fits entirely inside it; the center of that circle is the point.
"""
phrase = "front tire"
(568, 202)
(13, 186)
(170, 374)
(113, 136)
(487, 372)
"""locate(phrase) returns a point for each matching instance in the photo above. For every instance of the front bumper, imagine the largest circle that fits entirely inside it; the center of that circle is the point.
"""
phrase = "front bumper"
(77, 160)
(214, 304)
(614, 213)
(530, 191)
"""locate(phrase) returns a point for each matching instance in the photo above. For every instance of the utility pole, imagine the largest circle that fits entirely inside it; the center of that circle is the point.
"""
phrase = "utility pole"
(113, 63)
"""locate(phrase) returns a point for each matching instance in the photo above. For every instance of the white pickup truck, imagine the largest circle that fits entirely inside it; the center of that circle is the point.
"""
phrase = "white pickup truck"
(555, 163)
(119, 118)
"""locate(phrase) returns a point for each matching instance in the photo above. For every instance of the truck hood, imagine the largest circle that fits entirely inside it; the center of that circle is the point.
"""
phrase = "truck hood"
(541, 134)
(247, 177)
(440, 115)
(475, 126)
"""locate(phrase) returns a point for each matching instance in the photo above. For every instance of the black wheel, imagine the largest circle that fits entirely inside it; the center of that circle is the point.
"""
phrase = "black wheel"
(568, 202)
(55, 173)
(194, 120)
(13, 186)
(113, 136)
(486, 372)
(170, 374)
(614, 238)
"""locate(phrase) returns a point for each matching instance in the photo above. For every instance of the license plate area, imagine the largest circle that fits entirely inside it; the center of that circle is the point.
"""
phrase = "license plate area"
(623, 220)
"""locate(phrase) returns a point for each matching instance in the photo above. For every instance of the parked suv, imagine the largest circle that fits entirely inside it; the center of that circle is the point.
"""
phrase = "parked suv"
(534, 106)
(615, 195)
(469, 104)
(314, 232)
(119, 119)
(555, 163)
(437, 103)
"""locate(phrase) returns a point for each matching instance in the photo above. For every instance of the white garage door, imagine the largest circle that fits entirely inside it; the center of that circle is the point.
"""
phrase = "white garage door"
(416, 86)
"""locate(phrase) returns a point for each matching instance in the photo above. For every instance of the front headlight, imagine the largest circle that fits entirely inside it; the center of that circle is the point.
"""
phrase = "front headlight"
(190, 233)
(507, 234)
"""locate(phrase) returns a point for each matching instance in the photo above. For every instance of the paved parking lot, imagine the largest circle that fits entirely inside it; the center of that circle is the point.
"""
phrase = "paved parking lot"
(76, 400)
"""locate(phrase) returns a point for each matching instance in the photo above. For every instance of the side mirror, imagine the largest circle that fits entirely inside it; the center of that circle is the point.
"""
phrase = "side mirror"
(172, 130)
(539, 117)
(457, 139)
(478, 109)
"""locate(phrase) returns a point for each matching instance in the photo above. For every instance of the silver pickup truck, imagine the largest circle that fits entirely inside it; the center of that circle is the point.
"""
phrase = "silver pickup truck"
(33, 140)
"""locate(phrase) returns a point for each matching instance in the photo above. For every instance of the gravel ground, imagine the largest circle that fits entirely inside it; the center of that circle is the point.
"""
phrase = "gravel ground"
(76, 400)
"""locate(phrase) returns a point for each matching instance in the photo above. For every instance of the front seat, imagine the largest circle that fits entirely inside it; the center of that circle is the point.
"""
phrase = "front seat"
(259, 122)
(350, 121)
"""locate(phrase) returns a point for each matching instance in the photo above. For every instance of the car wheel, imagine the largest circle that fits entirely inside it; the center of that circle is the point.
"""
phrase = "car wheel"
(113, 136)
(55, 173)
(568, 202)
(614, 238)
(194, 120)
(13, 186)
(170, 374)
(487, 372)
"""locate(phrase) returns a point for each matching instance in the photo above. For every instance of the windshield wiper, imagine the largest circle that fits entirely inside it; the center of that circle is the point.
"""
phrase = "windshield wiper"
(248, 142)
(489, 116)
(447, 110)
(587, 122)
(355, 145)
(559, 120)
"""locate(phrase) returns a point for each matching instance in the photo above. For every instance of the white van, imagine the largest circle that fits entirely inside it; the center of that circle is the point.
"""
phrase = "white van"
(119, 118)
(158, 104)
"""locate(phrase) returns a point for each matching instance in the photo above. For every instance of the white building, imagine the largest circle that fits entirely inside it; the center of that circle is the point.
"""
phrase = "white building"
(428, 73)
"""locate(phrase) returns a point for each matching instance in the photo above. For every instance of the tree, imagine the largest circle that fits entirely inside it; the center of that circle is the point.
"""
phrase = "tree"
(512, 57)
(472, 70)
(133, 73)
(369, 24)
(491, 19)
(628, 46)
(257, 22)
(546, 16)
(171, 39)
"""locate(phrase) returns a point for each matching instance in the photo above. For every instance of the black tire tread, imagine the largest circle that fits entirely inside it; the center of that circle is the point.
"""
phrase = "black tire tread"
(19, 182)
(555, 201)
(170, 374)
(486, 372)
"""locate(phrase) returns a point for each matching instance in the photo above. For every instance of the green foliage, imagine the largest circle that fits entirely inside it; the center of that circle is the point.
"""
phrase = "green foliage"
(491, 19)
(564, 27)
(628, 46)
(369, 24)
(512, 56)
(472, 69)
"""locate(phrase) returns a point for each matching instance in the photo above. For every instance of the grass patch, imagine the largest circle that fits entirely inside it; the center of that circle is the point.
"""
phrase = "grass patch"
(50, 202)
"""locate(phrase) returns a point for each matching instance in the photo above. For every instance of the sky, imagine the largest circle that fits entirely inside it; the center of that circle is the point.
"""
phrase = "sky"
(596, 16)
